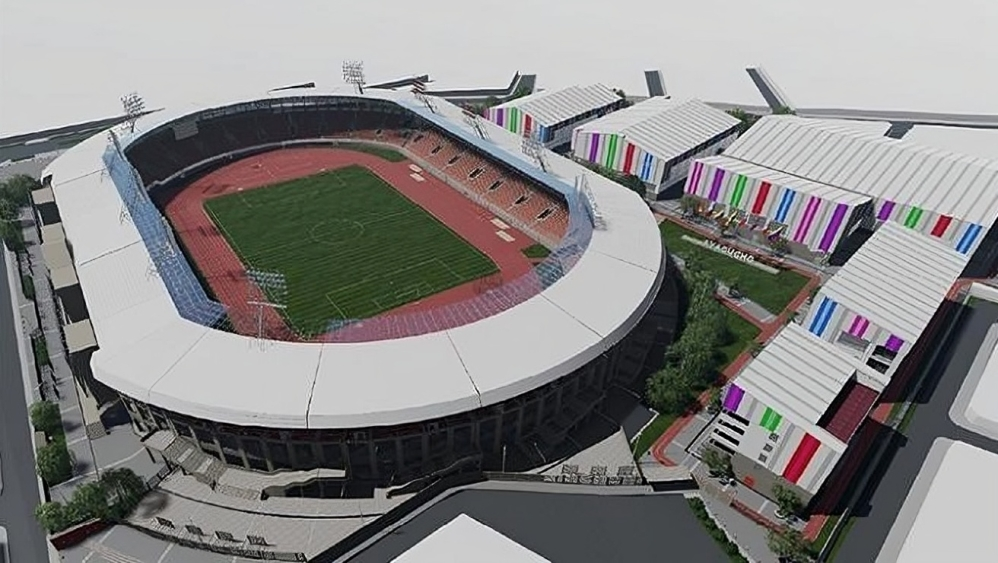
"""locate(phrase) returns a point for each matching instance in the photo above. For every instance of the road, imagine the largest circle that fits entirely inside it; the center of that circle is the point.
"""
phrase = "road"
(20, 492)
(878, 510)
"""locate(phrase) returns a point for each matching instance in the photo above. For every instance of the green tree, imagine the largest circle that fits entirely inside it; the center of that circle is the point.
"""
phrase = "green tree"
(90, 501)
(52, 516)
(54, 463)
(632, 182)
(714, 404)
(787, 500)
(718, 463)
(784, 110)
(747, 119)
(790, 544)
(668, 392)
(18, 189)
(45, 417)
(124, 489)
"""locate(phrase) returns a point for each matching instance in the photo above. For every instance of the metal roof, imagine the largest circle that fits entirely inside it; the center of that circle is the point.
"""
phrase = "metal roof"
(551, 107)
(466, 539)
(777, 178)
(147, 351)
(897, 280)
(937, 180)
(799, 375)
(664, 127)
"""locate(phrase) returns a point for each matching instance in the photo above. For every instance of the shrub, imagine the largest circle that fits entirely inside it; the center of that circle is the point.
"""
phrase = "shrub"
(28, 287)
(45, 417)
(54, 463)
(90, 501)
(52, 516)
(729, 547)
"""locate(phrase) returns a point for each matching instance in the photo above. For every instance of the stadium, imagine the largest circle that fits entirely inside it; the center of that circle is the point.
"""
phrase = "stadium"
(377, 284)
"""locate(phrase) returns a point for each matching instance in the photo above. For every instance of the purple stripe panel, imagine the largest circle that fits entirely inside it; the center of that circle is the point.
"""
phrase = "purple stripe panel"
(894, 343)
(715, 187)
(805, 224)
(733, 398)
(695, 178)
(885, 211)
(593, 147)
(500, 116)
(833, 227)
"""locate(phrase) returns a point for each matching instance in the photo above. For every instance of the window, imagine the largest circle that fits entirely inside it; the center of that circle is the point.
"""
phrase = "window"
(853, 342)
(774, 437)
(877, 365)
(495, 185)
(476, 173)
(545, 214)
(737, 417)
(763, 458)
(436, 149)
(767, 448)
(882, 353)
(453, 160)
(732, 427)
(521, 200)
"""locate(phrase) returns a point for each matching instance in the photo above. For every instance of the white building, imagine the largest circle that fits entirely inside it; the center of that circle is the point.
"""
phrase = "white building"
(554, 114)
(655, 140)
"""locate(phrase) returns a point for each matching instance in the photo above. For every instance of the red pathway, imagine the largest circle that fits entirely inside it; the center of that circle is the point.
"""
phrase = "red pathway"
(224, 272)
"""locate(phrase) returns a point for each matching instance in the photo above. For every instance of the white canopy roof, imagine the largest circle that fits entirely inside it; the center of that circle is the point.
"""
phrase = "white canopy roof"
(937, 180)
(467, 540)
(149, 352)
(777, 178)
(551, 107)
(897, 280)
(665, 127)
(799, 375)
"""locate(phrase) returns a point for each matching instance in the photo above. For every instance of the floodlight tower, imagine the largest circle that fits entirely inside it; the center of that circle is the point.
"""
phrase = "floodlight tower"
(134, 107)
(353, 73)
(534, 148)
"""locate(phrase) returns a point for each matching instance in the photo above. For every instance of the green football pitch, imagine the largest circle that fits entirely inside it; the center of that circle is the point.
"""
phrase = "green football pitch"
(348, 245)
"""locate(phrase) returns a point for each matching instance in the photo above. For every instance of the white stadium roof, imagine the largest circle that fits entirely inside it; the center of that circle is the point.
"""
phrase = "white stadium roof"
(934, 179)
(800, 376)
(550, 107)
(466, 540)
(665, 127)
(951, 509)
(897, 280)
(976, 406)
(147, 351)
(775, 177)
(976, 142)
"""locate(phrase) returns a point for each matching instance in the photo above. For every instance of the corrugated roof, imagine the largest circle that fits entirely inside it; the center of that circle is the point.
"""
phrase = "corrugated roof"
(777, 178)
(551, 107)
(897, 280)
(663, 127)
(933, 179)
(798, 375)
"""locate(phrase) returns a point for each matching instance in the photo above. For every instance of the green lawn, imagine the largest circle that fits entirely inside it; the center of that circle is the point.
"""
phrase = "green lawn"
(651, 433)
(348, 245)
(742, 334)
(536, 251)
(773, 292)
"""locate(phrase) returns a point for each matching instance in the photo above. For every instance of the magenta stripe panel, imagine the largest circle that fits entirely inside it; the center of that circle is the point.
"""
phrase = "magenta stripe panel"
(833, 227)
(695, 178)
(733, 398)
(885, 211)
(805, 224)
(894, 343)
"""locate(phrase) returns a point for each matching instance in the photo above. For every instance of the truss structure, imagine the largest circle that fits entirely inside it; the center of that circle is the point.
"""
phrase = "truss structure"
(592, 208)
(419, 90)
(134, 107)
(353, 73)
(534, 148)
(273, 290)
(475, 122)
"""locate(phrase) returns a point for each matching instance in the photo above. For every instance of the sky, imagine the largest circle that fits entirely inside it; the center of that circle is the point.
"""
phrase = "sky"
(67, 61)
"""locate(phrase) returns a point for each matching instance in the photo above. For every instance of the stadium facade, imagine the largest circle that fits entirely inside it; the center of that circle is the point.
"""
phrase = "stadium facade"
(442, 390)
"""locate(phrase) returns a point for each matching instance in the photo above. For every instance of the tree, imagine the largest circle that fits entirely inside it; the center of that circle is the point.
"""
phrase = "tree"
(784, 110)
(124, 489)
(714, 404)
(18, 189)
(54, 463)
(787, 500)
(52, 516)
(632, 182)
(90, 501)
(45, 417)
(747, 119)
(688, 205)
(790, 544)
(668, 392)
(779, 245)
(718, 463)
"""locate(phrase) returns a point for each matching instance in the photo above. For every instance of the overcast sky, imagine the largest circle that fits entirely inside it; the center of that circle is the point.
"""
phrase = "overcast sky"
(64, 61)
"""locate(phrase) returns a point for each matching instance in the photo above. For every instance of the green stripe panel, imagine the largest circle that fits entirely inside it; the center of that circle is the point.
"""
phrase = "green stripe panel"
(770, 420)
(514, 119)
(611, 150)
(911, 221)
(736, 196)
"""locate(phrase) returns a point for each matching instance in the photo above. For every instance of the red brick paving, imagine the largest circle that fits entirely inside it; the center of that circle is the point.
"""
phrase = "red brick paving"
(223, 269)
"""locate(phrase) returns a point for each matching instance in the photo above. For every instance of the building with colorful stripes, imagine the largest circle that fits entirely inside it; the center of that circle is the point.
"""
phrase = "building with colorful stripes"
(880, 302)
(655, 140)
(553, 114)
(950, 197)
(813, 217)
(790, 413)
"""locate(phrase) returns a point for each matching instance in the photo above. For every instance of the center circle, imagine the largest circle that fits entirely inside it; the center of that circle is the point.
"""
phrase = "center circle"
(336, 231)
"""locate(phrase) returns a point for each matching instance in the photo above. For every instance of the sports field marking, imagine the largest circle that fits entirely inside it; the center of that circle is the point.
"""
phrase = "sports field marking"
(393, 252)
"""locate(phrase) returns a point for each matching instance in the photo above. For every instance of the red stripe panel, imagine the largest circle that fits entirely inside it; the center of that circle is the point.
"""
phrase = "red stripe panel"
(528, 125)
(941, 225)
(760, 198)
(628, 158)
(802, 457)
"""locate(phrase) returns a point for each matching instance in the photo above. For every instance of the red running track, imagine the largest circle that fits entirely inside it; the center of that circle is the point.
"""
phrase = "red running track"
(224, 272)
